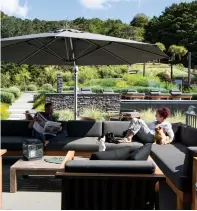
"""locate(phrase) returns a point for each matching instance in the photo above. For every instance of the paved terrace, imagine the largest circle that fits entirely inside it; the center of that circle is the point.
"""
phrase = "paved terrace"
(34, 193)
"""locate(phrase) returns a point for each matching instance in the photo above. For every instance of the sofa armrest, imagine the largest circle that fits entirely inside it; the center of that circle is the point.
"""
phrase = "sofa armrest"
(193, 151)
(111, 167)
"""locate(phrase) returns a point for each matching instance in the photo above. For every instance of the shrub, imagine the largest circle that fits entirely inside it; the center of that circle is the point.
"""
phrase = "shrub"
(4, 111)
(31, 87)
(65, 114)
(67, 76)
(7, 97)
(40, 101)
(46, 91)
(47, 87)
(120, 84)
(15, 90)
(86, 74)
(93, 113)
(164, 76)
(97, 89)
(108, 82)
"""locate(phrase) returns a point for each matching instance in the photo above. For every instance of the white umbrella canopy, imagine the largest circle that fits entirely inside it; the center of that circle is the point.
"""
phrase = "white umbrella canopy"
(73, 47)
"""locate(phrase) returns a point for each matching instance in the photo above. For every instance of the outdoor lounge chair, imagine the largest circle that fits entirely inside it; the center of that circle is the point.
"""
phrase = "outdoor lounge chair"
(157, 95)
(86, 90)
(178, 95)
(133, 94)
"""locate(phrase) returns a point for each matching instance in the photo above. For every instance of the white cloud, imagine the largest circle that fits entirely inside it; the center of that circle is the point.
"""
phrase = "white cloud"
(14, 8)
(99, 4)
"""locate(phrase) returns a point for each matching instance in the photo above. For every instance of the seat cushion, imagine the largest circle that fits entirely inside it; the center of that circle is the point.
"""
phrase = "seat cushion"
(86, 144)
(188, 136)
(142, 153)
(81, 128)
(12, 142)
(171, 160)
(116, 154)
(115, 127)
(15, 128)
(110, 166)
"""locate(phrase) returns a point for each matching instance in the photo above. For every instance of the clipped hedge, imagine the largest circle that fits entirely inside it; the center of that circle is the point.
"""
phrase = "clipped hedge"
(31, 87)
(7, 97)
(47, 87)
(16, 91)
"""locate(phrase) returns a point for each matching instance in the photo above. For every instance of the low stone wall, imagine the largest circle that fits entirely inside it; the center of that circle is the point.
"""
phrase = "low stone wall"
(174, 105)
(105, 102)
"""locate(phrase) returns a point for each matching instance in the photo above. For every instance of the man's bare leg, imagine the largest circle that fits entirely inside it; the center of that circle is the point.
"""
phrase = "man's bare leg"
(127, 138)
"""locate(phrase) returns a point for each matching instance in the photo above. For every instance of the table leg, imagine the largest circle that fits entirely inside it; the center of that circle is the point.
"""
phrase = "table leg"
(13, 181)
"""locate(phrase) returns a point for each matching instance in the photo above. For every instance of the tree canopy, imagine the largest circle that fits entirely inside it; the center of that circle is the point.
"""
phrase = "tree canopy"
(176, 26)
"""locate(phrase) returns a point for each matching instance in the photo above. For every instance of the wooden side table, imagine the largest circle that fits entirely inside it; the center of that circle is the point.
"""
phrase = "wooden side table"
(3, 151)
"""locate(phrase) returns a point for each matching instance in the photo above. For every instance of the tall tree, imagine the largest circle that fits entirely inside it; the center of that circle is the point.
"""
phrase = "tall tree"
(140, 20)
(176, 26)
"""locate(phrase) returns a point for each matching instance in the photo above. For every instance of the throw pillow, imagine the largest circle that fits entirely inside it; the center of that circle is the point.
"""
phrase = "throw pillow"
(142, 153)
(117, 154)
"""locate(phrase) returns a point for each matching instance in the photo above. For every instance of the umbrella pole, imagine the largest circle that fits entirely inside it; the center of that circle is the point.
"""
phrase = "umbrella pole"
(75, 70)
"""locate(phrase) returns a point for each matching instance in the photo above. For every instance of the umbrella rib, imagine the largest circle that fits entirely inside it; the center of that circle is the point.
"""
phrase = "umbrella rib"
(8, 46)
(52, 52)
(109, 52)
(35, 52)
(97, 48)
(139, 49)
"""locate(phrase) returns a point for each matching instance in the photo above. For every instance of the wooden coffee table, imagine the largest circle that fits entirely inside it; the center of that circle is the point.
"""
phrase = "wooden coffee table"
(34, 167)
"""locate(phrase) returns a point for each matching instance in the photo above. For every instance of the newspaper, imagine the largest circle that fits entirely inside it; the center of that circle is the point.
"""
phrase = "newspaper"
(46, 127)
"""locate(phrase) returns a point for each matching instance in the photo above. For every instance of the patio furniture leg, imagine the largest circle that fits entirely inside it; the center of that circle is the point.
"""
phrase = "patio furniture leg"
(13, 181)
(179, 205)
(194, 196)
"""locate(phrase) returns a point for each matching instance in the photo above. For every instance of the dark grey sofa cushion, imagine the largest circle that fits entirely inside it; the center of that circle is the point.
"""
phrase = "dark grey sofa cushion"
(115, 127)
(116, 154)
(99, 166)
(12, 142)
(86, 144)
(171, 160)
(188, 135)
(142, 153)
(81, 128)
(15, 128)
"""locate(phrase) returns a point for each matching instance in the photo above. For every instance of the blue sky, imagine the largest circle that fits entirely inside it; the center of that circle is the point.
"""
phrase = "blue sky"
(71, 9)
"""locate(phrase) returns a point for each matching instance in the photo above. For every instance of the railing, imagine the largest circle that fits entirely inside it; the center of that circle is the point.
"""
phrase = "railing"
(191, 120)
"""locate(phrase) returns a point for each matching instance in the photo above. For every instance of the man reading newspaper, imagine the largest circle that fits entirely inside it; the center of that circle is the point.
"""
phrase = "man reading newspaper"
(45, 127)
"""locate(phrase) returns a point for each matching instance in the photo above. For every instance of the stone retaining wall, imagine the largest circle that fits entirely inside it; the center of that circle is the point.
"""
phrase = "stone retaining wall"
(104, 102)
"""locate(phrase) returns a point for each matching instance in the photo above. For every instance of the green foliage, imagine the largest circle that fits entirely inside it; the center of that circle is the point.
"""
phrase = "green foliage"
(67, 76)
(47, 87)
(164, 76)
(149, 114)
(86, 74)
(7, 97)
(140, 20)
(93, 113)
(176, 25)
(39, 102)
(4, 111)
(161, 46)
(121, 84)
(108, 82)
(180, 51)
(5, 79)
(16, 91)
(63, 115)
(31, 87)
(23, 77)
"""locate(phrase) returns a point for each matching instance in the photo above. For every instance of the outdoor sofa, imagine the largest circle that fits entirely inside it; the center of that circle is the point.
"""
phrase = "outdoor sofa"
(108, 184)
(133, 94)
(175, 159)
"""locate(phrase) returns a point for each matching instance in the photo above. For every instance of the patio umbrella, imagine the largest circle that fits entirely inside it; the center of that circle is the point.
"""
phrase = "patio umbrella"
(73, 47)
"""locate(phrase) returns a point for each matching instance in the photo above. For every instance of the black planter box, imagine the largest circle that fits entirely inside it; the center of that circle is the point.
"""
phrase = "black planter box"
(32, 149)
